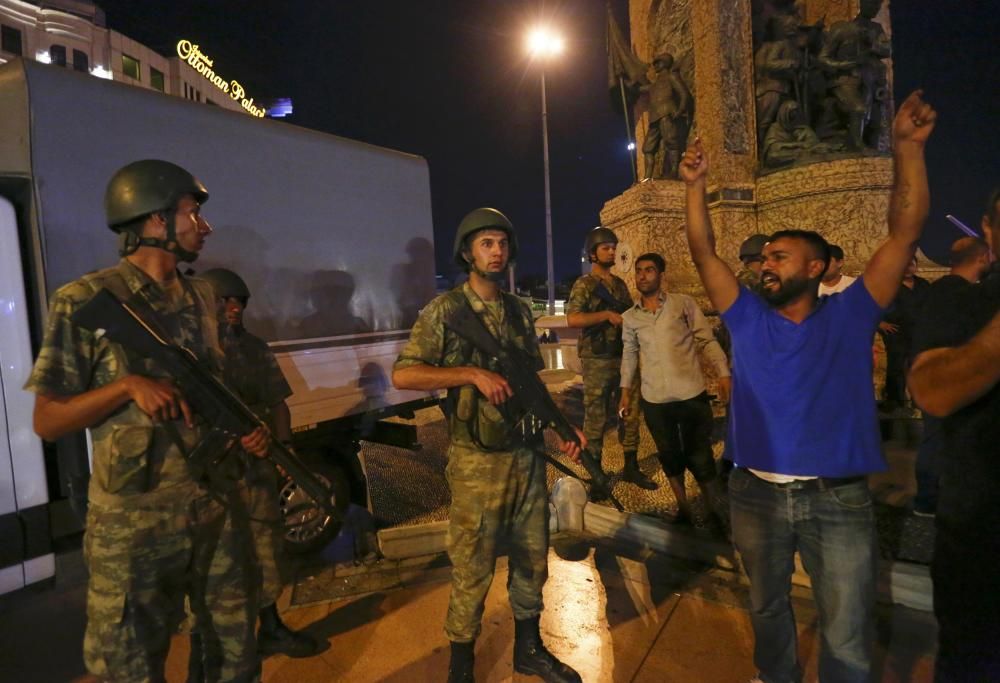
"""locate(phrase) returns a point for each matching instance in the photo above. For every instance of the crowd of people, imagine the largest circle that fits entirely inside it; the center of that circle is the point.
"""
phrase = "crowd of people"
(802, 432)
(801, 335)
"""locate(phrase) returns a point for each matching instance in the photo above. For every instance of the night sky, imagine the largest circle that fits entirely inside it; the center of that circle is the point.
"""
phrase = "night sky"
(450, 80)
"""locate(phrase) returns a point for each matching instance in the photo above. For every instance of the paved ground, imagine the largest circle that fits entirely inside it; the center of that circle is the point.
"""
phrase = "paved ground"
(612, 614)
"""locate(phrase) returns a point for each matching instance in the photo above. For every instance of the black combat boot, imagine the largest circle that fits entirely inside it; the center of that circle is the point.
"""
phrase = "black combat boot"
(463, 659)
(196, 667)
(276, 638)
(633, 474)
(531, 657)
(600, 486)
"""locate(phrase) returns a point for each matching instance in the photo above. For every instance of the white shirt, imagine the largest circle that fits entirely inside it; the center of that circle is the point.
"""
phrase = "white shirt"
(844, 283)
(668, 340)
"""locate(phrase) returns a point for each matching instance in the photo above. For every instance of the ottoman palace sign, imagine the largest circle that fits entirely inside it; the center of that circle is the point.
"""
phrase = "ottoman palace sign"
(200, 62)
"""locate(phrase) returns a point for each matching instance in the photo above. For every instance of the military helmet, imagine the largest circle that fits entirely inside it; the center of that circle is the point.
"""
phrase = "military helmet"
(226, 283)
(482, 219)
(599, 235)
(145, 187)
(752, 246)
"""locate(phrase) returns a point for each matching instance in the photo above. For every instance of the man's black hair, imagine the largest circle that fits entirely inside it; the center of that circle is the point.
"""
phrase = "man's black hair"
(836, 252)
(820, 247)
(967, 249)
(655, 258)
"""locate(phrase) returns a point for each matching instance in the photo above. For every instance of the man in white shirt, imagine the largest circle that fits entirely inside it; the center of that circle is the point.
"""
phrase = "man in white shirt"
(833, 279)
(668, 330)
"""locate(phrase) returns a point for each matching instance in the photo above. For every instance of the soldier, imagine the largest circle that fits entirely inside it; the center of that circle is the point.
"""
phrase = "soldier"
(253, 373)
(751, 261)
(153, 533)
(600, 352)
(669, 117)
(495, 474)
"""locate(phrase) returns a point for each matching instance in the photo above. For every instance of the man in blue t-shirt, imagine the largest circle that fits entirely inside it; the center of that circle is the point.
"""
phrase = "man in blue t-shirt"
(802, 424)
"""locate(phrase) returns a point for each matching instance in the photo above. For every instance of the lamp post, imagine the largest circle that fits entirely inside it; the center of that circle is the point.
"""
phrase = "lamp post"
(543, 43)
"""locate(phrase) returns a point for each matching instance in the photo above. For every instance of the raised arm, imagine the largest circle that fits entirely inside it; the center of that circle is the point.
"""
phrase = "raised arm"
(909, 201)
(720, 283)
(947, 379)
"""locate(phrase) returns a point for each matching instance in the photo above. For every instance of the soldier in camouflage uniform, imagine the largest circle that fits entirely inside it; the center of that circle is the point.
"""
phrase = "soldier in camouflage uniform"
(153, 533)
(253, 373)
(495, 474)
(751, 260)
(600, 352)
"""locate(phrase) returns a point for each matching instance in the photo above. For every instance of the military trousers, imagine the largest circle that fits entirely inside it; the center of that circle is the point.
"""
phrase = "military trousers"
(601, 387)
(499, 502)
(267, 527)
(144, 559)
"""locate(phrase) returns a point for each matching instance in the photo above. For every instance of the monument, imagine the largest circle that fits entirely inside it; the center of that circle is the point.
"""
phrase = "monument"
(819, 74)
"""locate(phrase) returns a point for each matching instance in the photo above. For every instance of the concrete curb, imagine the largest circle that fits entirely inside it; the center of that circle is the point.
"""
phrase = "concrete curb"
(902, 583)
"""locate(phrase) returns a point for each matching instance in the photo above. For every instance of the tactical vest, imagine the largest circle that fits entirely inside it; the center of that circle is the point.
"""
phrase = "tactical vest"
(473, 420)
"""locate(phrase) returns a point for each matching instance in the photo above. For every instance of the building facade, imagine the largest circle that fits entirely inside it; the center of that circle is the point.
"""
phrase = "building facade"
(73, 34)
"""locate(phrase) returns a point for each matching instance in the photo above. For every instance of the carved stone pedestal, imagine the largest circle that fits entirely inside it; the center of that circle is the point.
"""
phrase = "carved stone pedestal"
(845, 200)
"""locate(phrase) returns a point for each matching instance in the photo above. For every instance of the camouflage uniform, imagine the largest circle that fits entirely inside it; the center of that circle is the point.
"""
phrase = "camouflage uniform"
(253, 373)
(600, 352)
(152, 533)
(497, 482)
(748, 278)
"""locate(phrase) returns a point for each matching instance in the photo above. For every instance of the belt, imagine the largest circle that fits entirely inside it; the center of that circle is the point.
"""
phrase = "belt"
(817, 484)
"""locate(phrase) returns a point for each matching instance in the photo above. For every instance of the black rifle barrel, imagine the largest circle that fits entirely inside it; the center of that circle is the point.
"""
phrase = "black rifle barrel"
(209, 398)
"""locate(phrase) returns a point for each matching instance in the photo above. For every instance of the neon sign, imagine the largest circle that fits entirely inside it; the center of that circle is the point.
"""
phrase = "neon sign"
(201, 63)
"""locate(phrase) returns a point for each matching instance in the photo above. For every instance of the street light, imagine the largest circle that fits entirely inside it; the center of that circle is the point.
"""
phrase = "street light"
(543, 44)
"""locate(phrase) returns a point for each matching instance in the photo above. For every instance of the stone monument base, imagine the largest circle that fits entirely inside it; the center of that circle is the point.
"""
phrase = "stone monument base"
(845, 200)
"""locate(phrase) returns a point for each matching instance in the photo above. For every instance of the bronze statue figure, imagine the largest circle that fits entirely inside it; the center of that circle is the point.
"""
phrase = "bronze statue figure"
(852, 55)
(670, 113)
(790, 140)
(777, 63)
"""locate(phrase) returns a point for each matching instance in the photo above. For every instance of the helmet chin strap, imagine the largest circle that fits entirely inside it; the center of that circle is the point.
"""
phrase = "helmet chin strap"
(129, 242)
(498, 277)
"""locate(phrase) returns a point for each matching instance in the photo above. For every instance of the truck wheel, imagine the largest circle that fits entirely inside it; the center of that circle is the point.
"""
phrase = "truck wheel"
(307, 527)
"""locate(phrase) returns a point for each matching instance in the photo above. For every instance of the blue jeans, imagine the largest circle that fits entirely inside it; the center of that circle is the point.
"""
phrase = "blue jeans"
(834, 531)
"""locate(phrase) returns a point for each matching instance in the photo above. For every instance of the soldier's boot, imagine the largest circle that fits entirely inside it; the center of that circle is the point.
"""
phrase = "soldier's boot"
(196, 667)
(531, 657)
(463, 659)
(718, 506)
(600, 485)
(276, 638)
(633, 474)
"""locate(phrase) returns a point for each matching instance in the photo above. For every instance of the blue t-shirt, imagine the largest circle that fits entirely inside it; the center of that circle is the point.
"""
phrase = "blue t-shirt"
(803, 402)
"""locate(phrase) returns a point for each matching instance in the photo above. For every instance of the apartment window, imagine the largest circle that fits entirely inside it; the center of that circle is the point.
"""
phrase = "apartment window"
(130, 67)
(156, 79)
(57, 53)
(10, 40)
(81, 62)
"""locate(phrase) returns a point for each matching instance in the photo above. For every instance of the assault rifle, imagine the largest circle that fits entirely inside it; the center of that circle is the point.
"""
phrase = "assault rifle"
(209, 398)
(619, 307)
(530, 400)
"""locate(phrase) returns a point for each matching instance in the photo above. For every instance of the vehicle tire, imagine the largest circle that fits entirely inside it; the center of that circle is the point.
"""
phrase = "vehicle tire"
(307, 527)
